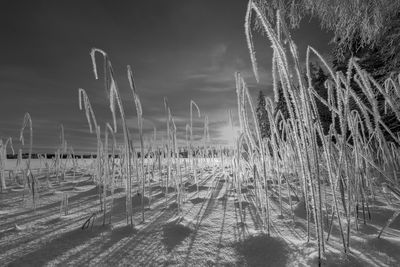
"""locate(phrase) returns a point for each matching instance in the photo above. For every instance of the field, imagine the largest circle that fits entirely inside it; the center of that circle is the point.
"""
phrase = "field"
(308, 178)
(207, 231)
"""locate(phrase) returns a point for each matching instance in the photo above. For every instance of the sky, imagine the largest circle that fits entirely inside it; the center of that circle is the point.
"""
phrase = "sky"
(179, 49)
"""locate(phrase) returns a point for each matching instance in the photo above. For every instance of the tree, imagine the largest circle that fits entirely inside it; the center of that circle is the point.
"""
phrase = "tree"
(358, 20)
(381, 61)
(281, 106)
(318, 78)
(262, 116)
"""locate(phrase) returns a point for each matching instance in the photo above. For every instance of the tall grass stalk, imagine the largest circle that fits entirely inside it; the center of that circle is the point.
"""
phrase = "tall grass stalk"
(191, 157)
(139, 114)
(3, 160)
(31, 180)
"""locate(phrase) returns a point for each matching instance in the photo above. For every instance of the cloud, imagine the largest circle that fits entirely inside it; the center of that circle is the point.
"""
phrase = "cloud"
(183, 50)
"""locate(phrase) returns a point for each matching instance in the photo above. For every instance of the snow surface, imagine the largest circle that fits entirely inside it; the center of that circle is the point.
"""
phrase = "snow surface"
(208, 231)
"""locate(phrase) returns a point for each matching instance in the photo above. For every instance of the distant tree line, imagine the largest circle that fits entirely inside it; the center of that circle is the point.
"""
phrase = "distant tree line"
(50, 156)
(183, 153)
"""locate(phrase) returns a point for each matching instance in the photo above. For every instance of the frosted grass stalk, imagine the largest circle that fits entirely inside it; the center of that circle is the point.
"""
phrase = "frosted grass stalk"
(139, 114)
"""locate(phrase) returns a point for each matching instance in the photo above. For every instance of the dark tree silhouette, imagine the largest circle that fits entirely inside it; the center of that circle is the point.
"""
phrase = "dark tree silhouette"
(262, 116)
(318, 78)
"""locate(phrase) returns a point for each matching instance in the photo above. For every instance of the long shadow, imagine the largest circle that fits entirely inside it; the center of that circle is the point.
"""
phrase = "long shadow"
(255, 217)
(368, 229)
(339, 260)
(112, 237)
(380, 216)
(147, 237)
(75, 201)
(224, 204)
(94, 251)
(8, 198)
(119, 204)
(50, 209)
(56, 247)
(210, 204)
(197, 200)
(163, 188)
(240, 226)
(193, 188)
(76, 238)
(32, 235)
(83, 196)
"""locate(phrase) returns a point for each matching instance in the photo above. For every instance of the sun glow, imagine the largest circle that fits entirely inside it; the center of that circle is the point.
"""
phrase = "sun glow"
(228, 135)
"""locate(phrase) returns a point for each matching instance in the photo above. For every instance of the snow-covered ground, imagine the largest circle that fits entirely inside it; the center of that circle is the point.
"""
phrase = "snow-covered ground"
(207, 232)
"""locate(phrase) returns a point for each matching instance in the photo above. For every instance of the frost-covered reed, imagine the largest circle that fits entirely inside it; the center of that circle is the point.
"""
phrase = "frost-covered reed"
(298, 150)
